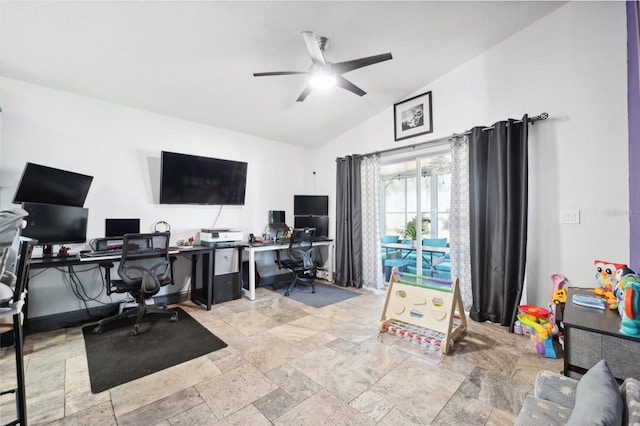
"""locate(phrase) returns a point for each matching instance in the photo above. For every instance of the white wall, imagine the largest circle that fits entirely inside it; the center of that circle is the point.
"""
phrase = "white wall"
(120, 147)
(571, 64)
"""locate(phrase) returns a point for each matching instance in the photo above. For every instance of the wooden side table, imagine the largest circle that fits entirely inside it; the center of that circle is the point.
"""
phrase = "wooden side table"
(593, 334)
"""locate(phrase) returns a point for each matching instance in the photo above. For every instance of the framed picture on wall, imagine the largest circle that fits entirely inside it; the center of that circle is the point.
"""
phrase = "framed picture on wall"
(413, 117)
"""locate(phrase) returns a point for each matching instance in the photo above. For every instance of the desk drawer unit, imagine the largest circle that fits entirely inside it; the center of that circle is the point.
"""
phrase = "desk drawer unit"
(226, 261)
(586, 348)
(227, 284)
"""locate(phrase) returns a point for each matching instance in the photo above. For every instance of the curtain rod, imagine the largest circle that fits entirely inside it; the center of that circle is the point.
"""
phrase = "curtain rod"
(532, 120)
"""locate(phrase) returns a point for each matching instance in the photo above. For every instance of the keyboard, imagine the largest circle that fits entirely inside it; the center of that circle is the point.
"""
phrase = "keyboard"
(102, 253)
(115, 253)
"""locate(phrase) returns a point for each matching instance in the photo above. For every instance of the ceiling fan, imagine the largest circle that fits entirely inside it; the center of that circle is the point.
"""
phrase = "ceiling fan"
(325, 74)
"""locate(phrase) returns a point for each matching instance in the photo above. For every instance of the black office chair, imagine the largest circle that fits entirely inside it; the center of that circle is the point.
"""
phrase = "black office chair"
(300, 259)
(142, 282)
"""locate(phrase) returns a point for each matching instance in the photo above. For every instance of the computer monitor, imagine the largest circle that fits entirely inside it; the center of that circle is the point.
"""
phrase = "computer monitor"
(119, 227)
(310, 205)
(295, 235)
(43, 184)
(276, 216)
(55, 224)
(320, 223)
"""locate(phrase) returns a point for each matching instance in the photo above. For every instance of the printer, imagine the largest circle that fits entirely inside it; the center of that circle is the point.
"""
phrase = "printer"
(212, 237)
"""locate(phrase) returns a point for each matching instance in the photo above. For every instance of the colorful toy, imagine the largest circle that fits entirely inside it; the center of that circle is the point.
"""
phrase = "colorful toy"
(542, 325)
(424, 310)
(588, 301)
(606, 276)
(559, 295)
(630, 325)
(623, 275)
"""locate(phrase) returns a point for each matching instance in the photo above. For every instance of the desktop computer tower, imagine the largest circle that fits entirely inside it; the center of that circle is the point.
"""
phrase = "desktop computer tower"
(226, 281)
(245, 275)
(226, 287)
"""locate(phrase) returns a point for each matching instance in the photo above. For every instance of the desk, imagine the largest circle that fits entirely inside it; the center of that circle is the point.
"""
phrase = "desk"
(203, 296)
(252, 249)
(593, 334)
(430, 250)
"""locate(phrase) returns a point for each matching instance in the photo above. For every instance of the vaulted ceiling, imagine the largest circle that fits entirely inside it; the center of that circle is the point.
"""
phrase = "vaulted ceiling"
(195, 60)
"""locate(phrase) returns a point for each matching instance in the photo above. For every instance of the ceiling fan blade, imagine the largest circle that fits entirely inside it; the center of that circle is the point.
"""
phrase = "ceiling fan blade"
(304, 94)
(347, 85)
(313, 47)
(266, 74)
(346, 66)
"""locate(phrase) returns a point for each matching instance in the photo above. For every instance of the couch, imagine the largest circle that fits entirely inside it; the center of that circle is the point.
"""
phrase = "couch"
(595, 399)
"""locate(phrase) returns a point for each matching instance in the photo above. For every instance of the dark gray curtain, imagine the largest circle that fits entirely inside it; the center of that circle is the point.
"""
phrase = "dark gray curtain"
(498, 180)
(348, 223)
(633, 102)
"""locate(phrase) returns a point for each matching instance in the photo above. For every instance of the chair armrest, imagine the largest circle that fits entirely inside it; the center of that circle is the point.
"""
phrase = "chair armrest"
(555, 387)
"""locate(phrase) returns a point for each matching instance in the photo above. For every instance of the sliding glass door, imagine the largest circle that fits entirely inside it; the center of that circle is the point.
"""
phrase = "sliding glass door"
(415, 211)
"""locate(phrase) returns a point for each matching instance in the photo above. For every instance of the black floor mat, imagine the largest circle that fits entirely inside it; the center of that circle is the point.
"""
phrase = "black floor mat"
(115, 358)
(325, 294)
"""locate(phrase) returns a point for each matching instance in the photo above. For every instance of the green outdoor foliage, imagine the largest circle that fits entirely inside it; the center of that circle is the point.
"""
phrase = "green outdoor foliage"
(411, 232)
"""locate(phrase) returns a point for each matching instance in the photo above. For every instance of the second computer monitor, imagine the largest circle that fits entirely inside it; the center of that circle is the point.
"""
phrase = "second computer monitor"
(321, 223)
(115, 228)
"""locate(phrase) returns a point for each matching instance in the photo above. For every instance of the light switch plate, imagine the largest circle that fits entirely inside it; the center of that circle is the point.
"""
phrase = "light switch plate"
(570, 216)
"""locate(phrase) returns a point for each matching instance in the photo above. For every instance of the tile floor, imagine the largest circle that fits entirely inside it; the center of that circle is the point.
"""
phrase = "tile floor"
(289, 364)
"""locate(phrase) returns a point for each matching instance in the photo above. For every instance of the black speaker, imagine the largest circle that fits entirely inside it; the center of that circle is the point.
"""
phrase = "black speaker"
(245, 275)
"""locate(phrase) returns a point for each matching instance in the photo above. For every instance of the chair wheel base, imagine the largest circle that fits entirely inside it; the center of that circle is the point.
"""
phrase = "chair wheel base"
(286, 293)
(98, 330)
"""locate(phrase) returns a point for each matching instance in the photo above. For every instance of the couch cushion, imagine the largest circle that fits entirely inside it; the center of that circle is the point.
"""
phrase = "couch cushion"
(555, 387)
(387, 239)
(538, 412)
(598, 399)
(630, 390)
(434, 242)
(444, 266)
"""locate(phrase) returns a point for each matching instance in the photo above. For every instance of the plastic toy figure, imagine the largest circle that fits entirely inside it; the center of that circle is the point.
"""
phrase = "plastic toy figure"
(623, 275)
(606, 276)
(630, 325)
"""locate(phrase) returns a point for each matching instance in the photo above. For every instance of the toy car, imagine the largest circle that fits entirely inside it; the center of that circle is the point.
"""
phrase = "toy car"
(560, 296)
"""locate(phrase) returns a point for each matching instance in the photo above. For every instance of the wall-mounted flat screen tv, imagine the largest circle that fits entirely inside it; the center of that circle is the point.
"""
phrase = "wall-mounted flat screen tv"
(305, 205)
(48, 185)
(192, 179)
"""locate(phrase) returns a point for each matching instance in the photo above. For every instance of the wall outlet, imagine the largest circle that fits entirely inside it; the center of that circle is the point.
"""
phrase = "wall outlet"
(570, 216)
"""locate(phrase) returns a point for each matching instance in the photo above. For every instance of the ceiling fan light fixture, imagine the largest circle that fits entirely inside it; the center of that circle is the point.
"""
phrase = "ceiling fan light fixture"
(322, 80)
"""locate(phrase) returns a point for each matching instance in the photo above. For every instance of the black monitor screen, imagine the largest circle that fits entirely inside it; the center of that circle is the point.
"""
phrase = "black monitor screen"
(42, 184)
(191, 179)
(321, 223)
(55, 224)
(119, 227)
(305, 205)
